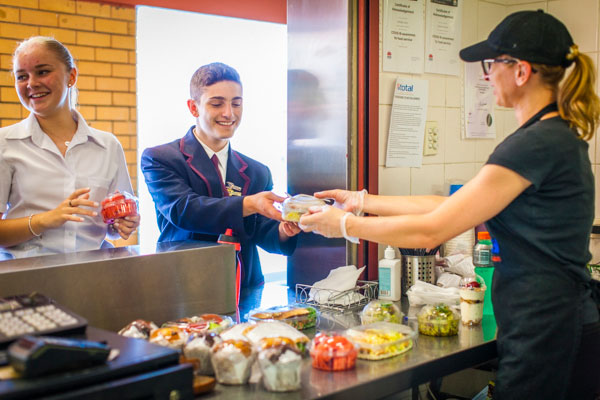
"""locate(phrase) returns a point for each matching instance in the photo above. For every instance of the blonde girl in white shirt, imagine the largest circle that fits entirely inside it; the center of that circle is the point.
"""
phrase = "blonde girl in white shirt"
(54, 168)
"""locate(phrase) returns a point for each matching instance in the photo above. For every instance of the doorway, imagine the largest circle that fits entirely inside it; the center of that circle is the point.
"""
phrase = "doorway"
(171, 45)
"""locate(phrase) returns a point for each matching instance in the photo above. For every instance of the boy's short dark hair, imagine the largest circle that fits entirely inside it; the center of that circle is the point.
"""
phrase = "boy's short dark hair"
(210, 74)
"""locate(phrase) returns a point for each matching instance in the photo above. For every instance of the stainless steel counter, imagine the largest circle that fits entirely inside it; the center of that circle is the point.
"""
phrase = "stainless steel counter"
(112, 287)
(431, 357)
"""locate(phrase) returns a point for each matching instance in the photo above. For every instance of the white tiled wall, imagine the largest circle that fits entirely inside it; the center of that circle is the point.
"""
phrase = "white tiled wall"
(460, 159)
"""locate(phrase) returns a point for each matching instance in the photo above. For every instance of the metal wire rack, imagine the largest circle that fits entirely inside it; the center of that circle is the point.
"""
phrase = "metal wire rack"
(330, 299)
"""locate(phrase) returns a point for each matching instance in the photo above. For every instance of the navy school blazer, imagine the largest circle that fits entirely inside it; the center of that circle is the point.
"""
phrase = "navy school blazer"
(190, 203)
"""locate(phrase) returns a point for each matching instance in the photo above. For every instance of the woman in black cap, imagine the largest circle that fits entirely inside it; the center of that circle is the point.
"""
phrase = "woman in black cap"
(536, 196)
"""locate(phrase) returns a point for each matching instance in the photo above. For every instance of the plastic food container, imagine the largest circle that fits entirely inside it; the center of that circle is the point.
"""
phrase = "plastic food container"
(232, 361)
(198, 351)
(381, 311)
(472, 293)
(138, 329)
(202, 323)
(255, 332)
(118, 205)
(172, 337)
(295, 206)
(298, 317)
(280, 363)
(438, 320)
(332, 352)
(381, 340)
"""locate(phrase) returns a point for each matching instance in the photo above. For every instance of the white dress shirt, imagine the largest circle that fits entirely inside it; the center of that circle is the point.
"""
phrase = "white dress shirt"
(35, 177)
(222, 155)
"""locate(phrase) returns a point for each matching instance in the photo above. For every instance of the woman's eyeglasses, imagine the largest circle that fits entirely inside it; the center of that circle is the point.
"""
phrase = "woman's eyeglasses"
(487, 64)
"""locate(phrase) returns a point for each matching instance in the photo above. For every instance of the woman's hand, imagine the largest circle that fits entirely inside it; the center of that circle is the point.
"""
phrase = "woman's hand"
(287, 230)
(352, 201)
(69, 209)
(323, 220)
(125, 227)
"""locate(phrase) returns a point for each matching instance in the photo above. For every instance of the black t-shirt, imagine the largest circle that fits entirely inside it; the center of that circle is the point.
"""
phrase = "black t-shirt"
(546, 229)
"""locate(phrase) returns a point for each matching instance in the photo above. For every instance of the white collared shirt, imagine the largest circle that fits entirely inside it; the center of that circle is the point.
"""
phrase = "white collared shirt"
(35, 177)
(222, 156)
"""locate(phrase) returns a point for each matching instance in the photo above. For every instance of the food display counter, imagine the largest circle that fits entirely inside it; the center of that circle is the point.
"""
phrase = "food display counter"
(430, 358)
(114, 287)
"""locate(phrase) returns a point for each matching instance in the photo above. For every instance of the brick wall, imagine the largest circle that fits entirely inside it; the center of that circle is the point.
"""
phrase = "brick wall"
(101, 37)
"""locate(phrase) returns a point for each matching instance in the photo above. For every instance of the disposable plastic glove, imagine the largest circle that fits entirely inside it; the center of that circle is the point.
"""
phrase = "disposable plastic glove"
(326, 221)
(352, 201)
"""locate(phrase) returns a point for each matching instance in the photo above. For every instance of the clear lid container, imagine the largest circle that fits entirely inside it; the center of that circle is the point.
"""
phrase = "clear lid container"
(202, 323)
(295, 206)
(332, 351)
(254, 332)
(280, 363)
(472, 282)
(381, 340)
(296, 316)
(438, 320)
(172, 337)
(381, 311)
(140, 329)
(118, 205)
(234, 345)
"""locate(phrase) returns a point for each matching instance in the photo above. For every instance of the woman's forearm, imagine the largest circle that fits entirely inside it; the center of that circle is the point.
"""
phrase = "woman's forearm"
(401, 205)
(15, 231)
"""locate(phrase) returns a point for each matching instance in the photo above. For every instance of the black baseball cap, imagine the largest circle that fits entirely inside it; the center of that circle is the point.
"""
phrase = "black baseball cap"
(532, 36)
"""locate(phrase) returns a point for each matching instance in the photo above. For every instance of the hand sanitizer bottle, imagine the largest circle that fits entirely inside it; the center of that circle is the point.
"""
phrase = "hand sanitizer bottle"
(389, 275)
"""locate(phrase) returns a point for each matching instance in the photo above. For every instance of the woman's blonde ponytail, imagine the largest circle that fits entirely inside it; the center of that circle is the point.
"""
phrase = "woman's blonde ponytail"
(577, 99)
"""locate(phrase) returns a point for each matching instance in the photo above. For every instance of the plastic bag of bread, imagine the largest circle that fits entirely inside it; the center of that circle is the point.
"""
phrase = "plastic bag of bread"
(237, 331)
(261, 330)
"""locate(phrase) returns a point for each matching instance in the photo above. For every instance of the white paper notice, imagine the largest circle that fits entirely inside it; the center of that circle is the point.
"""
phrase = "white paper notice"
(407, 123)
(403, 35)
(444, 26)
(480, 122)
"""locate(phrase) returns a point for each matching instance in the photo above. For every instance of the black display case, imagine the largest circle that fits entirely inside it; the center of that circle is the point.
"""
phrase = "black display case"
(141, 371)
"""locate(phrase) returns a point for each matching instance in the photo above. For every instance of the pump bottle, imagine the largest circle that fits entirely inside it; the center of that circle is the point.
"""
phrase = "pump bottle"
(389, 276)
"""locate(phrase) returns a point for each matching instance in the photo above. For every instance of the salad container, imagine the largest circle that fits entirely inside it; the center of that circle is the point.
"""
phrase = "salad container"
(438, 320)
(295, 206)
(381, 340)
(381, 311)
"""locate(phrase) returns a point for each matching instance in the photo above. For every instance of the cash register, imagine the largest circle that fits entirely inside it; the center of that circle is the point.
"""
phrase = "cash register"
(57, 355)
